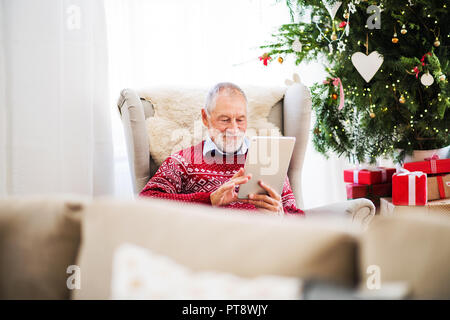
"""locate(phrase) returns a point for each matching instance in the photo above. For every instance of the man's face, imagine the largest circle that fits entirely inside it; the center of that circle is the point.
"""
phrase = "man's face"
(227, 122)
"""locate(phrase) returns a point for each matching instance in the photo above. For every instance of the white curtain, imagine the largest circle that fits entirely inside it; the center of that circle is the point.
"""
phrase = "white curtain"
(55, 109)
(201, 42)
(3, 122)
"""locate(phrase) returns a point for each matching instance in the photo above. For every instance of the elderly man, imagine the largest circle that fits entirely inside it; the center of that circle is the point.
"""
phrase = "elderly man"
(211, 171)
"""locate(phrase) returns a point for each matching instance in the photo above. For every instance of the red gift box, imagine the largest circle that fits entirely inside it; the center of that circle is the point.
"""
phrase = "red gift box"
(409, 189)
(369, 176)
(372, 192)
(433, 165)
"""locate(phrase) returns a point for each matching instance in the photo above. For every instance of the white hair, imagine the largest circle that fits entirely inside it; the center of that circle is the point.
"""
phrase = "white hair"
(222, 87)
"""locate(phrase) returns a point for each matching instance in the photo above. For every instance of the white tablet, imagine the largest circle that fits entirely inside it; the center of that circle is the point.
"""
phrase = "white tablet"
(268, 160)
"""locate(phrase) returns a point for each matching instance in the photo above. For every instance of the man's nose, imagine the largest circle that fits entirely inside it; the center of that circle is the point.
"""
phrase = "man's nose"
(234, 125)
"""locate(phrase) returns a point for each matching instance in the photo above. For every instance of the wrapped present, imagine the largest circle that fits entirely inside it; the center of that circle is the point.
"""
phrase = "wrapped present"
(369, 175)
(387, 208)
(372, 192)
(429, 165)
(409, 188)
(438, 187)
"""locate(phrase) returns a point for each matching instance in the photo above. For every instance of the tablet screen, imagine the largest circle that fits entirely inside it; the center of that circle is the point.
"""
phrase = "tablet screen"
(268, 160)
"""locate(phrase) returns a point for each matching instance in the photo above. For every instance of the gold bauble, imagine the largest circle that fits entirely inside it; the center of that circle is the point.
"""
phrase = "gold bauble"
(403, 31)
(346, 15)
(394, 38)
(372, 115)
(437, 43)
(402, 99)
(334, 96)
(442, 77)
(280, 60)
(334, 36)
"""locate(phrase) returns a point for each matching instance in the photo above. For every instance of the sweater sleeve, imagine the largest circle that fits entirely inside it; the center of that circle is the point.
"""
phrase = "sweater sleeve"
(288, 200)
(167, 183)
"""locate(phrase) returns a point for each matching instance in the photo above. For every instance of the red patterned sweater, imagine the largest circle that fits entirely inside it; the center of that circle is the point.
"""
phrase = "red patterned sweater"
(189, 176)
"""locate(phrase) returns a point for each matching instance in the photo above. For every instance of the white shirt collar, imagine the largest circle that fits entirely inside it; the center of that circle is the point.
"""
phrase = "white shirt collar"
(210, 146)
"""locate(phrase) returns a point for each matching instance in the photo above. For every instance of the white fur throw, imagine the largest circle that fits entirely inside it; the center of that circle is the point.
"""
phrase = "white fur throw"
(177, 121)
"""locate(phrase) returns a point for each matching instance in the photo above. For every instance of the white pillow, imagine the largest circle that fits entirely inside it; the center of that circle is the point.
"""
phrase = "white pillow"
(138, 273)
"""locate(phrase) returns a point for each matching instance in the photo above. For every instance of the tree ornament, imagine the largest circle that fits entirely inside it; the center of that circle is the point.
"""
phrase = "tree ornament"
(437, 43)
(402, 99)
(346, 15)
(280, 60)
(332, 7)
(342, 24)
(265, 58)
(372, 115)
(423, 58)
(442, 77)
(337, 83)
(341, 46)
(297, 45)
(334, 36)
(367, 65)
(427, 79)
(316, 131)
(351, 7)
(330, 48)
(415, 71)
(403, 31)
(394, 38)
(347, 29)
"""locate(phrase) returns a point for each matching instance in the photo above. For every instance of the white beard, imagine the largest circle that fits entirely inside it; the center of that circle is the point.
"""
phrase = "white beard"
(229, 145)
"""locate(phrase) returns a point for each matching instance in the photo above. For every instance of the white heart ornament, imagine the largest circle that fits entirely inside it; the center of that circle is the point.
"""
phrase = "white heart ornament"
(332, 8)
(367, 65)
(427, 79)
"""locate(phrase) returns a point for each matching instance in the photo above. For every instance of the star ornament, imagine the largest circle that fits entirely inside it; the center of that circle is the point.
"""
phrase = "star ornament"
(351, 7)
(341, 46)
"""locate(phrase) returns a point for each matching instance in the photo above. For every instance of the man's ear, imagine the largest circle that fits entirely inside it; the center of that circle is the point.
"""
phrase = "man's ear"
(205, 118)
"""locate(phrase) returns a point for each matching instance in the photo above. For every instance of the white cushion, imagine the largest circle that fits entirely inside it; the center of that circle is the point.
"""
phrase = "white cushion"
(139, 273)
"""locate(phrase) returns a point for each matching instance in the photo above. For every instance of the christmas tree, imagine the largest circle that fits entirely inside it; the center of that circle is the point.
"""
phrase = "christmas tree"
(387, 92)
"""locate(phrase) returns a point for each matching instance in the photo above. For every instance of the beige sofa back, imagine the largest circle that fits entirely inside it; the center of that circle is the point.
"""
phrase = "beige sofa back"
(39, 239)
(204, 238)
(412, 248)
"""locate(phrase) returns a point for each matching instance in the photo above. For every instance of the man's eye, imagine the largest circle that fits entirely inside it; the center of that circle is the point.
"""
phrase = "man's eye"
(224, 120)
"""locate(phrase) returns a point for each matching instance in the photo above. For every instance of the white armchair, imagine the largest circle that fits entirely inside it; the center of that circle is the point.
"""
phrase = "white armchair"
(292, 114)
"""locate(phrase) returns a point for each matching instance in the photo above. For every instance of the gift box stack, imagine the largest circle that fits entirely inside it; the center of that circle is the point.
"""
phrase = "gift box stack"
(370, 183)
(422, 181)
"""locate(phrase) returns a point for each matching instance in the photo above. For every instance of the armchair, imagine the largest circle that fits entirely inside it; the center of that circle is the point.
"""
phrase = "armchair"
(292, 114)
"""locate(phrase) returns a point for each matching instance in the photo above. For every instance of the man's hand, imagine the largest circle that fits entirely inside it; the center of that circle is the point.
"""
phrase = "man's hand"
(226, 192)
(271, 202)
